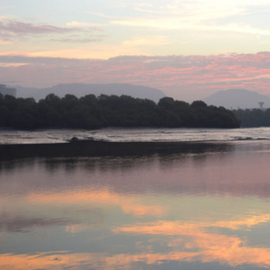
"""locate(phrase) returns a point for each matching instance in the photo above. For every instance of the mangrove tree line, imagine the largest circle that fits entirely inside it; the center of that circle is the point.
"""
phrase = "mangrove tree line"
(91, 112)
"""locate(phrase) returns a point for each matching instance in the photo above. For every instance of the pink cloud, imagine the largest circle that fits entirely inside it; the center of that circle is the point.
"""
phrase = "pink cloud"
(11, 29)
(183, 77)
(28, 28)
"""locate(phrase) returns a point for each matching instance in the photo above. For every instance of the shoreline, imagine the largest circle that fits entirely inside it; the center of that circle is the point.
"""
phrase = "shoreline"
(92, 148)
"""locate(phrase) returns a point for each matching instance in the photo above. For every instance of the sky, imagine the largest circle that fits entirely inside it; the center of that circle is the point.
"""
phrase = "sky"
(188, 49)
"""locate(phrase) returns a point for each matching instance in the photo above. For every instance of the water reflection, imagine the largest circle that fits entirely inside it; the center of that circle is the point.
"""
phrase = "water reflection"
(10, 223)
(196, 210)
(232, 171)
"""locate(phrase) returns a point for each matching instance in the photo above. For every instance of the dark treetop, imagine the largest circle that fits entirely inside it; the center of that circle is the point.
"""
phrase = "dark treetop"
(253, 117)
(91, 112)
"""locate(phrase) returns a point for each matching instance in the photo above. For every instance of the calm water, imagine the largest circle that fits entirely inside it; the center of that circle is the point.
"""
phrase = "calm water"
(208, 210)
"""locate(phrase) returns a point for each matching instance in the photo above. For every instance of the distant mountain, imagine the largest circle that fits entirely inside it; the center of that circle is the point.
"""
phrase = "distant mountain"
(80, 90)
(7, 91)
(238, 98)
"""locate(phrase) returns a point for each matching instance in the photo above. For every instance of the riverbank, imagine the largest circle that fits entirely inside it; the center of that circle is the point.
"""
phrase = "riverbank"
(90, 148)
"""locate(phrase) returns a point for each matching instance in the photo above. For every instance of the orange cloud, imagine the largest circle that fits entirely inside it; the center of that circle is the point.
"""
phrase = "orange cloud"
(192, 242)
(144, 210)
(197, 244)
(232, 255)
(12, 64)
(78, 196)
(43, 261)
(187, 228)
(128, 204)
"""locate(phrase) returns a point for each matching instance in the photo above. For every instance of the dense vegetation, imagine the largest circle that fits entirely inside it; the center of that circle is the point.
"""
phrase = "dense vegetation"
(253, 118)
(90, 112)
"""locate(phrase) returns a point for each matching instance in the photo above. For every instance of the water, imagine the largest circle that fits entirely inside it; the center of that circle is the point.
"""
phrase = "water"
(198, 210)
(136, 134)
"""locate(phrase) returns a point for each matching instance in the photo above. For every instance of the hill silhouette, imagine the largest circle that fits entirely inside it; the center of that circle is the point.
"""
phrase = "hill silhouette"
(238, 98)
(4, 90)
(80, 90)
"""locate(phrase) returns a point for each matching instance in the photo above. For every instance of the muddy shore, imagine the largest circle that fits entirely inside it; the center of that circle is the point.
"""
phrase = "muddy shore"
(90, 148)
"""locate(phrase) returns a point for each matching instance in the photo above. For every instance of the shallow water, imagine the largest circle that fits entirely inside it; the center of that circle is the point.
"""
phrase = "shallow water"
(205, 210)
(135, 134)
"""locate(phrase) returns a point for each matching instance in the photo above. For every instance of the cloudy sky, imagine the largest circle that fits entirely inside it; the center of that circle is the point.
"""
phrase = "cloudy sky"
(188, 49)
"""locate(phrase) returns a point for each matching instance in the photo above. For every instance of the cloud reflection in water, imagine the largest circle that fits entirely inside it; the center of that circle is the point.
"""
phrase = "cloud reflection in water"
(195, 211)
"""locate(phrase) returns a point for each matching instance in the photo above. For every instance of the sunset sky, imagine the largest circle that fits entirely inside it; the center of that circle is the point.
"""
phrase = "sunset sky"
(188, 49)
